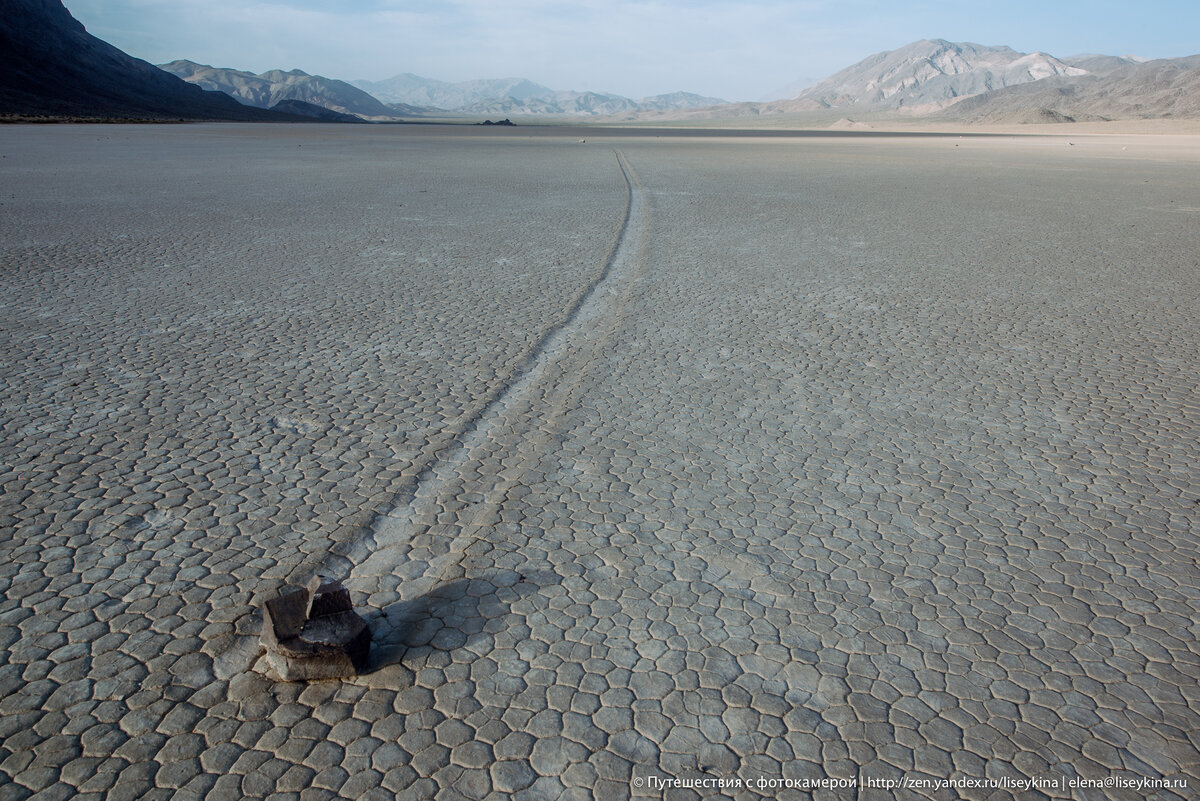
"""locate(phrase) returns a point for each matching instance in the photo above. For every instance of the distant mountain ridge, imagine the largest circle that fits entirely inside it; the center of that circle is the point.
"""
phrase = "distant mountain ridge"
(50, 65)
(275, 86)
(1160, 89)
(932, 73)
(408, 95)
(970, 83)
(1099, 64)
(519, 96)
(418, 91)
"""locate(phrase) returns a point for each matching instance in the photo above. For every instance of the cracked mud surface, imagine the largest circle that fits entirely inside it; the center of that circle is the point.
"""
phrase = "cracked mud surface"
(687, 457)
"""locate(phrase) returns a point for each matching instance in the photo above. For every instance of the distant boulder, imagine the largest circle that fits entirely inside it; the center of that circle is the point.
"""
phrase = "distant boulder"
(505, 121)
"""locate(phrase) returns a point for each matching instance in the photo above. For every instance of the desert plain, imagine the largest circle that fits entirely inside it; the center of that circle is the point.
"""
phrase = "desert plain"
(657, 461)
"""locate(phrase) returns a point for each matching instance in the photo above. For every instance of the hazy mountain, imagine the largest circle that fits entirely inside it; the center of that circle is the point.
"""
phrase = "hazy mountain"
(51, 65)
(677, 100)
(1100, 64)
(417, 91)
(270, 88)
(788, 90)
(1137, 90)
(576, 104)
(932, 73)
(518, 96)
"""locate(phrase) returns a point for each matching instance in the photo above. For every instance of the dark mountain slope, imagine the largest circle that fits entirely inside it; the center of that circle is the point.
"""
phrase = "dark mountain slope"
(50, 65)
(305, 109)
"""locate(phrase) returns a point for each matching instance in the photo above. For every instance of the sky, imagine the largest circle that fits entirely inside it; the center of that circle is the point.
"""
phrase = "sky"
(744, 50)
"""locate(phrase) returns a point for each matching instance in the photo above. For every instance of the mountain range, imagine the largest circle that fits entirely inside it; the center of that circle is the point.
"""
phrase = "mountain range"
(996, 85)
(417, 91)
(977, 84)
(931, 74)
(959, 81)
(270, 88)
(50, 65)
(1164, 88)
(408, 95)
(970, 83)
(519, 96)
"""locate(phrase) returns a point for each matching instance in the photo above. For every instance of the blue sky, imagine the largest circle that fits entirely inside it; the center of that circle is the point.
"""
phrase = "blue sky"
(734, 50)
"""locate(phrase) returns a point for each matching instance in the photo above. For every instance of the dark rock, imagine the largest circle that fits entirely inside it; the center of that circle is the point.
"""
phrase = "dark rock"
(314, 633)
(284, 617)
(327, 597)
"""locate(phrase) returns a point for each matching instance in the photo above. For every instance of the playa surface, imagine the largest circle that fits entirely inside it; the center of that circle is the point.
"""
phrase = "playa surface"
(772, 459)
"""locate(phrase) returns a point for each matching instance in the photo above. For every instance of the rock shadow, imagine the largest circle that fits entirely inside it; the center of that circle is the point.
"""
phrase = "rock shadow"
(449, 616)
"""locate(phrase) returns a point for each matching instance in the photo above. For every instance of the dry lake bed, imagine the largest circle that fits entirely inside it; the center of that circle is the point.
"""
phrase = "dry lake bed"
(662, 465)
